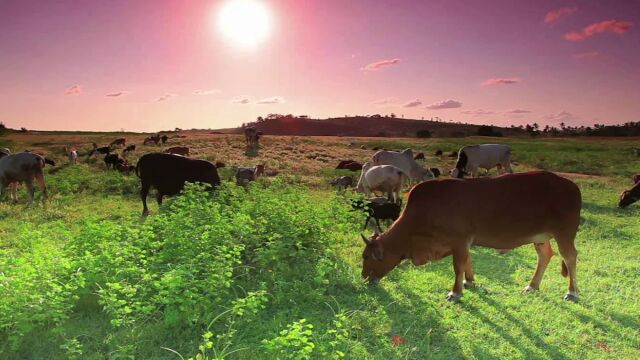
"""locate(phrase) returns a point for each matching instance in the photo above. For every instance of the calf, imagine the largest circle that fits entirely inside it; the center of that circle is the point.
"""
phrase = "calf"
(342, 182)
(245, 175)
(419, 156)
(168, 174)
(22, 167)
(178, 150)
(540, 206)
(73, 157)
(352, 166)
(112, 160)
(130, 148)
(379, 209)
(342, 163)
(384, 178)
(486, 156)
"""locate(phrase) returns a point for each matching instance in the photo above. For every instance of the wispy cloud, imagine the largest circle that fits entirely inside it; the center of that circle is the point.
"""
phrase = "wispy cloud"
(381, 64)
(446, 104)
(242, 99)
(477, 112)
(517, 111)
(555, 15)
(271, 100)
(166, 97)
(501, 81)
(207, 92)
(74, 90)
(386, 101)
(412, 103)
(614, 26)
(117, 94)
(587, 55)
(562, 116)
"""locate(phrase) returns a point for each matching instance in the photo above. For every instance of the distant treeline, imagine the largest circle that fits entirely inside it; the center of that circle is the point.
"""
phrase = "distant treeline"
(631, 128)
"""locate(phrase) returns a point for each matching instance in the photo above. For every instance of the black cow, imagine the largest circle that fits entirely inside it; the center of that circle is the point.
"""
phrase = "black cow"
(105, 150)
(168, 173)
(378, 209)
(129, 148)
(112, 160)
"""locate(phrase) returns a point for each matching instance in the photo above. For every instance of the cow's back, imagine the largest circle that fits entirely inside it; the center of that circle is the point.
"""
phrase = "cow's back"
(487, 154)
(494, 210)
(399, 160)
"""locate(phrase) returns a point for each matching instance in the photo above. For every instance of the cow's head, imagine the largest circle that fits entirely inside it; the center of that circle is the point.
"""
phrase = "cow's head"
(375, 263)
(628, 197)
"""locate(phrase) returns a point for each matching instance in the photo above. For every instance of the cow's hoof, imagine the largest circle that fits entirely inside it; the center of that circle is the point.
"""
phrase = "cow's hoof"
(529, 289)
(468, 285)
(453, 296)
(573, 297)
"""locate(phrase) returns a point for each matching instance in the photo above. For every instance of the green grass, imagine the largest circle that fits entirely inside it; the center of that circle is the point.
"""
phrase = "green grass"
(85, 277)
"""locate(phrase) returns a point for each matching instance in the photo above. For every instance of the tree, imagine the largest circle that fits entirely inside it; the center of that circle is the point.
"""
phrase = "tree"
(423, 133)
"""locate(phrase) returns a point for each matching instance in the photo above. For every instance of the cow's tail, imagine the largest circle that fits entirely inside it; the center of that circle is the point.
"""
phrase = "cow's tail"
(564, 271)
(461, 164)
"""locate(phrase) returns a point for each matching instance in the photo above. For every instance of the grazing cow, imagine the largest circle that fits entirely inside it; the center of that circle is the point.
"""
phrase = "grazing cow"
(403, 161)
(118, 142)
(352, 166)
(636, 178)
(419, 156)
(178, 150)
(540, 206)
(378, 208)
(22, 167)
(164, 139)
(384, 178)
(486, 156)
(342, 163)
(105, 150)
(112, 160)
(73, 157)
(438, 153)
(155, 138)
(342, 182)
(49, 161)
(245, 175)
(130, 148)
(168, 173)
(124, 167)
(435, 172)
(630, 196)
(220, 164)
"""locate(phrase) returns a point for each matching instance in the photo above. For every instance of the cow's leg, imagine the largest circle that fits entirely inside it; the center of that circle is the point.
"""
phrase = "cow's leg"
(507, 167)
(30, 190)
(144, 191)
(42, 185)
(159, 198)
(569, 259)
(14, 191)
(468, 274)
(460, 259)
(474, 172)
(379, 230)
(545, 252)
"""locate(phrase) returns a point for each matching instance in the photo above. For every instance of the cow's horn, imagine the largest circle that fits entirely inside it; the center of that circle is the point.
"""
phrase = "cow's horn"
(366, 241)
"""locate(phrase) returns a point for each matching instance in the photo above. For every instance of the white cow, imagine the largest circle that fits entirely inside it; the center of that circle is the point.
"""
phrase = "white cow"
(73, 157)
(486, 156)
(403, 161)
(22, 167)
(384, 178)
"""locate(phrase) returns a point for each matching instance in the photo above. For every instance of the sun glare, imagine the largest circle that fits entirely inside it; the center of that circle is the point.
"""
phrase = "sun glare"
(245, 23)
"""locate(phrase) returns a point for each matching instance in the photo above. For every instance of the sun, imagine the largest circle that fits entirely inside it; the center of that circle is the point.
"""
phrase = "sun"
(244, 23)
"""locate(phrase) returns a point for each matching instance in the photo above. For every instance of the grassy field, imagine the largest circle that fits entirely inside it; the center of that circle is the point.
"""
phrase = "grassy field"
(274, 272)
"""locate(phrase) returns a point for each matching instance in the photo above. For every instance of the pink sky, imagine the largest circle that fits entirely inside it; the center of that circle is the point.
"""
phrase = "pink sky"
(159, 64)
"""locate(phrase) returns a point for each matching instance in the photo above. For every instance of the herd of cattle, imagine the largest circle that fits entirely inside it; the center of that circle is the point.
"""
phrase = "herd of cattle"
(501, 212)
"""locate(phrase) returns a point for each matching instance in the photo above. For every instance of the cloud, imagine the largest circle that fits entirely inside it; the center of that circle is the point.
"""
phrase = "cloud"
(562, 116)
(381, 64)
(241, 100)
(517, 111)
(477, 112)
(614, 26)
(166, 97)
(447, 104)
(412, 103)
(116, 94)
(587, 55)
(386, 101)
(555, 15)
(271, 100)
(74, 90)
(207, 92)
(499, 81)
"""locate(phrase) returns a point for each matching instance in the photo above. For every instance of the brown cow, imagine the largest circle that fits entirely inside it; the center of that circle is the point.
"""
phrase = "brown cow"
(178, 150)
(342, 163)
(119, 142)
(419, 156)
(628, 197)
(636, 178)
(353, 166)
(537, 206)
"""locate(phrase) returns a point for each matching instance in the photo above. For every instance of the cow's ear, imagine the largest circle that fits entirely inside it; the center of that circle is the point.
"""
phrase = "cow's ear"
(419, 258)
(378, 252)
